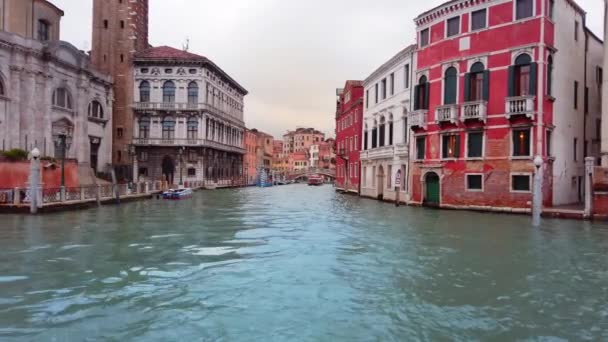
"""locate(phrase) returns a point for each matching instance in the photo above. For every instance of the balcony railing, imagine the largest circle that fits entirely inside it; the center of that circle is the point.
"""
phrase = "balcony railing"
(402, 150)
(446, 113)
(418, 118)
(384, 152)
(474, 110)
(520, 105)
(188, 143)
(185, 107)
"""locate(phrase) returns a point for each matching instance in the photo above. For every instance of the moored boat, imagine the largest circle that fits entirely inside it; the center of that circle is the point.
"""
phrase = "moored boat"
(315, 181)
(178, 194)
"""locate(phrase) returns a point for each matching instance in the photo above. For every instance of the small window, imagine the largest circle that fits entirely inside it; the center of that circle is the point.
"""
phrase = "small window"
(586, 103)
(407, 76)
(44, 30)
(521, 142)
(523, 9)
(192, 71)
(191, 172)
(144, 91)
(62, 98)
(420, 148)
(143, 171)
(105, 24)
(168, 71)
(575, 94)
(576, 30)
(474, 183)
(549, 142)
(453, 26)
(575, 149)
(122, 24)
(424, 37)
(550, 75)
(377, 92)
(119, 156)
(143, 156)
(450, 146)
(122, 58)
(2, 93)
(119, 133)
(475, 145)
(169, 92)
(478, 20)
(384, 89)
(95, 110)
(392, 84)
(551, 9)
(145, 70)
(520, 183)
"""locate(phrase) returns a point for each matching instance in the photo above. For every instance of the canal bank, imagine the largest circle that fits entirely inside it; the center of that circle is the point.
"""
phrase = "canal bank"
(298, 263)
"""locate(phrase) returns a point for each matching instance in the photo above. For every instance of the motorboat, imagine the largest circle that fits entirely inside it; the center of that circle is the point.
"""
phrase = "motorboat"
(315, 181)
(178, 194)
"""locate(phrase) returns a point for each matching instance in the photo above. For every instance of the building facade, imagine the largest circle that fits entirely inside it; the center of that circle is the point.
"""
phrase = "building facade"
(251, 156)
(349, 123)
(484, 107)
(188, 119)
(301, 139)
(120, 30)
(386, 137)
(49, 89)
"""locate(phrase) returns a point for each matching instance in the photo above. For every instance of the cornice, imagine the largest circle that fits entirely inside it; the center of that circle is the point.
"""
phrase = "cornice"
(402, 56)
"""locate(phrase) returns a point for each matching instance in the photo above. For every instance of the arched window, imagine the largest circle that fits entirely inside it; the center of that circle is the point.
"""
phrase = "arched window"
(382, 132)
(144, 127)
(550, 75)
(95, 110)
(62, 98)
(476, 83)
(193, 93)
(144, 91)
(192, 128)
(421, 94)
(450, 86)
(168, 128)
(522, 76)
(168, 92)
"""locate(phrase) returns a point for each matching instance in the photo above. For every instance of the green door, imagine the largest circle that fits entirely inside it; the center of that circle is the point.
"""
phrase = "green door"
(432, 189)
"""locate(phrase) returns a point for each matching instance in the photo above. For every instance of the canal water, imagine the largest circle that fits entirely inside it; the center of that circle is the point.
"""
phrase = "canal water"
(298, 263)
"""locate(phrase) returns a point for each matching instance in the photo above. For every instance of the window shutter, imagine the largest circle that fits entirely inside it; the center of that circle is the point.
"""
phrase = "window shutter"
(511, 81)
(416, 97)
(486, 85)
(427, 93)
(533, 78)
(457, 150)
(467, 87)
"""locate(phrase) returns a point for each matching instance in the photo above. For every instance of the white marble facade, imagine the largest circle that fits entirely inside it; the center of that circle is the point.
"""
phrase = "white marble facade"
(49, 88)
(386, 147)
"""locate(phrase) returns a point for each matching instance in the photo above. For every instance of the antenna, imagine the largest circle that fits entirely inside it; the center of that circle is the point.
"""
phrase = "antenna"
(186, 44)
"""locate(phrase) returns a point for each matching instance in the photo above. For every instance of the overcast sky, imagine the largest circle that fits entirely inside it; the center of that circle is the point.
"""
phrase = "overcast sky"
(290, 55)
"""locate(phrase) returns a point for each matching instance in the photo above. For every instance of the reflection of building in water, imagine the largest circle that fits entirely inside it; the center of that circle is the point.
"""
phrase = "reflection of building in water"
(49, 91)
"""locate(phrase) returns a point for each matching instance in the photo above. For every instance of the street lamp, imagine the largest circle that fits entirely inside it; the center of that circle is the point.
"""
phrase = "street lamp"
(63, 141)
(537, 199)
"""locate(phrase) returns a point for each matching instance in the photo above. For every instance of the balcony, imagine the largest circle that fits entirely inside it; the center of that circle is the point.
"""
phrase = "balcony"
(418, 118)
(447, 114)
(402, 150)
(385, 152)
(188, 143)
(474, 110)
(520, 105)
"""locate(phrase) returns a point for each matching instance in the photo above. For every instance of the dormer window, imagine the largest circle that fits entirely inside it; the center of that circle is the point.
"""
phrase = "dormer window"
(43, 30)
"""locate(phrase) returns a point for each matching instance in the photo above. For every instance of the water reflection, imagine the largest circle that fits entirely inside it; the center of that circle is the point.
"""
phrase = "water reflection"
(298, 263)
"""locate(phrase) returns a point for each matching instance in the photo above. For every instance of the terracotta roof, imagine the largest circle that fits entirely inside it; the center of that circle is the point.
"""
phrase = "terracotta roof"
(162, 52)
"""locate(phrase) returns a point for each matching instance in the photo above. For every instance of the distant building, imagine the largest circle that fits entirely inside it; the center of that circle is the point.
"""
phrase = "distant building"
(251, 156)
(188, 119)
(301, 139)
(280, 160)
(349, 119)
(259, 156)
(299, 162)
(48, 89)
(386, 136)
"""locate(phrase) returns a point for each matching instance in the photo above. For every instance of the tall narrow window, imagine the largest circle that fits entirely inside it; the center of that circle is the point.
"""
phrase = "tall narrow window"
(192, 128)
(384, 89)
(575, 94)
(421, 94)
(450, 84)
(550, 75)
(144, 127)
(424, 38)
(144, 91)
(377, 93)
(522, 76)
(382, 132)
(390, 132)
(575, 149)
(453, 26)
(476, 83)
(521, 142)
(192, 93)
(478, 20)
(365, 136)
(524, 9)
(475, 145)
(2, 93)
(586, 104)
(549, 138)
(551, 9)
(169, 92)
(420, 148)
(407, 76)
(367, 98)
(43, 30)
(392, 84)
(576, 30)
(450, 146)
(375, 136)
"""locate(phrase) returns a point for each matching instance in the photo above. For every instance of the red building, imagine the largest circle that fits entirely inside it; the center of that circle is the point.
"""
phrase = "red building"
(349, 118)
(495, 82)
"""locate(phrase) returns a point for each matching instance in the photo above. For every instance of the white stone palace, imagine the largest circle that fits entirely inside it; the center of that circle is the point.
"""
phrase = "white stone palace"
(188, 122)
(48, 88)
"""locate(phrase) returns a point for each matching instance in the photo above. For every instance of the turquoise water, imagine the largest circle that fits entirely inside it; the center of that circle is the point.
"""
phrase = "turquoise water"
(298, 263)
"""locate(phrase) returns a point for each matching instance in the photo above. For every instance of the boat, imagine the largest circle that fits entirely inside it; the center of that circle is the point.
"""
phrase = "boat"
(315, 181)
(178, 194)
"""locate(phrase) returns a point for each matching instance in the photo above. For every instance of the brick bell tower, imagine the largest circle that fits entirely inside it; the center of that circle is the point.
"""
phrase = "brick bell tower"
(120, 30)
